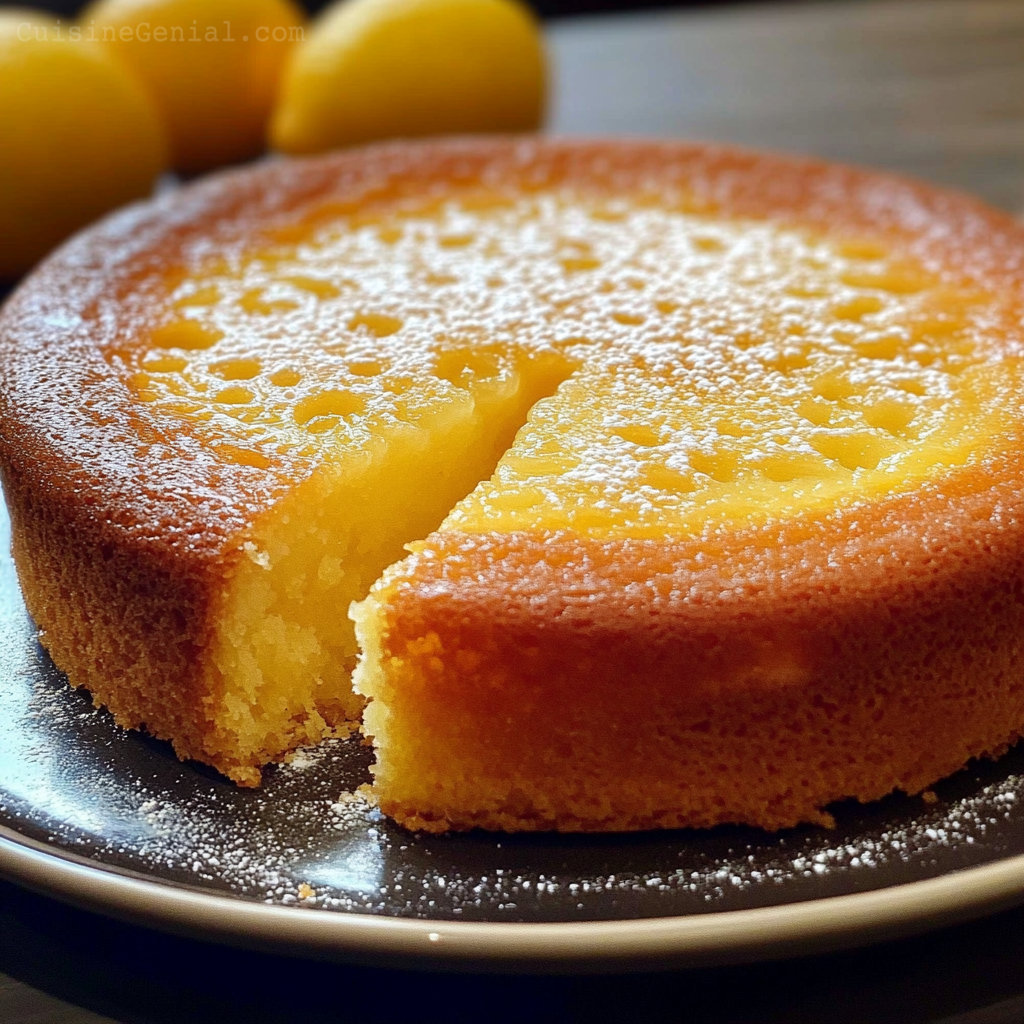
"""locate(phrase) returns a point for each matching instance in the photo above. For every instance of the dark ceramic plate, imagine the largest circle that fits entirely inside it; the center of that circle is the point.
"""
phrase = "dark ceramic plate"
(113, 820)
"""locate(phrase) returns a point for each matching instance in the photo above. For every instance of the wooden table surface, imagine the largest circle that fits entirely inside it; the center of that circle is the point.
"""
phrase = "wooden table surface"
(933, 88)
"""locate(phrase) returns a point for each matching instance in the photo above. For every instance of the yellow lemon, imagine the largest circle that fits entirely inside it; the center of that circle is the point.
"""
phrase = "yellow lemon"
(78, 136)
(374, 69)
(211, 65)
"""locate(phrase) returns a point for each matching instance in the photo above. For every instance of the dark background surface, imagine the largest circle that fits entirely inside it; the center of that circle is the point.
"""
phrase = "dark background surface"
(973, 974)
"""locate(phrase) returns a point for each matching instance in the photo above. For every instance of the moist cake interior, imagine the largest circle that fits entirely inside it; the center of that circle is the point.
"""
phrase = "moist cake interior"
(551, 359)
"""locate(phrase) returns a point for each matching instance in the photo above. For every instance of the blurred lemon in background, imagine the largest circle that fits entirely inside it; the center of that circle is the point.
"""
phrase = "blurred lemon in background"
(374, 69)
(78, 136)
(212, 66)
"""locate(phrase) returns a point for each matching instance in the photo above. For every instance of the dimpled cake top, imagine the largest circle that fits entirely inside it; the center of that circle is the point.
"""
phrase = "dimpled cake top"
(724, 338)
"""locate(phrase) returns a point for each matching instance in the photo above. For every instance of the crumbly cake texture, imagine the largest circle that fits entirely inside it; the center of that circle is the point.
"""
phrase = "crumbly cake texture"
(707, 462)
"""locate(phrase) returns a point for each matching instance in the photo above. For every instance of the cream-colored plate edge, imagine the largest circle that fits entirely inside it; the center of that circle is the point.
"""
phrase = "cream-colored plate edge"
(766, 933)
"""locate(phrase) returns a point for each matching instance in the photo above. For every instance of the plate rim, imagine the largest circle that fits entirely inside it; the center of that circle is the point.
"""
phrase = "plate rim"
(717, 938)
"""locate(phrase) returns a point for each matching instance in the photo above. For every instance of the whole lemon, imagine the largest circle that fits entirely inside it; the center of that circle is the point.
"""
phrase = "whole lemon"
(374, 69)
(212, 66)
(78, 136)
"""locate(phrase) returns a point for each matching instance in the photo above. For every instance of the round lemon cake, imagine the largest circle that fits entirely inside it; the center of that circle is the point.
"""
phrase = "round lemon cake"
(610, 485)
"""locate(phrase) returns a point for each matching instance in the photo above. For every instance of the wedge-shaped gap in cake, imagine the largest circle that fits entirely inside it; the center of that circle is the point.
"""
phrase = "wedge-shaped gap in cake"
(286, 648)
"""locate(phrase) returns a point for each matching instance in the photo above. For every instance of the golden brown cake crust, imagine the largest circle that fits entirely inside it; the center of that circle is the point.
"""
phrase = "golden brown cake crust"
(752, 677)
(125, 528)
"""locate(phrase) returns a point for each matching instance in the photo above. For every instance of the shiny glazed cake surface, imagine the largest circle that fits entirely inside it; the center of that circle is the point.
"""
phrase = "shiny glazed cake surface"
(711, 367)
(733, 340)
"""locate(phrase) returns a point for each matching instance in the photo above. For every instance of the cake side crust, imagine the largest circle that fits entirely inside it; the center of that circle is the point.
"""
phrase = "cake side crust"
(523, 683)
